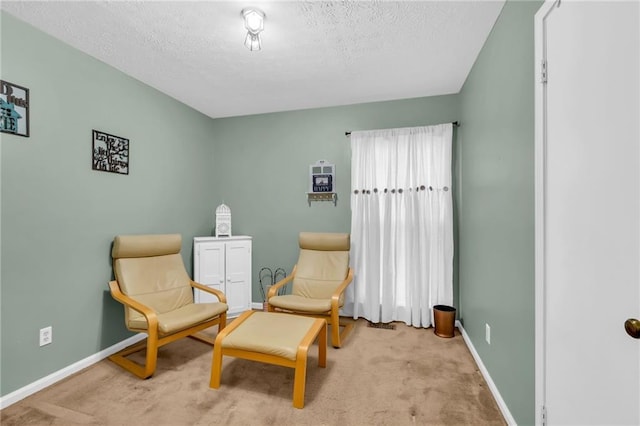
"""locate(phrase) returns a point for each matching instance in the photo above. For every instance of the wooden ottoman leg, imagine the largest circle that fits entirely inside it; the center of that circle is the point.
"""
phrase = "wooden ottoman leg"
(322, 346)
(317, 331)
(216, 364)
(300, 379)
(216, 367)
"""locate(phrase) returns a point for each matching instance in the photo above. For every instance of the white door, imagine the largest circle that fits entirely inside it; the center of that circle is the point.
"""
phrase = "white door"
(210, 270)
(588, 213)
(238, 279)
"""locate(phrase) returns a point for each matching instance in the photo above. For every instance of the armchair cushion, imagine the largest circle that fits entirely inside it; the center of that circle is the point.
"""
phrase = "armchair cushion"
(324, 241)
(145, 245)
(319, 273)
(182, 318)
(151, 271)
(291, 302)
(160, 283)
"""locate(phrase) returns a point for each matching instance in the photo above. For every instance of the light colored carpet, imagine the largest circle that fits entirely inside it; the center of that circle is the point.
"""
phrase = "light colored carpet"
(406, 376)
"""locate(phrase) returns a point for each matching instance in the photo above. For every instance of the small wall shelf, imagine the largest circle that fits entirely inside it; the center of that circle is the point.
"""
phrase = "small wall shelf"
(322, 196)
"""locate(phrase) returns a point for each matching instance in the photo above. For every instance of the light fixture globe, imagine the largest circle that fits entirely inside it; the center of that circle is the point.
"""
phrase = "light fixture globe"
(254, 23)
(253, 20)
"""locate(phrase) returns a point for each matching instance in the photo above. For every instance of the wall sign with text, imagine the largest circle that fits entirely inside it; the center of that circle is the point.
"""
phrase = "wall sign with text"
(321, 177)
(110, 153)
(14, 109)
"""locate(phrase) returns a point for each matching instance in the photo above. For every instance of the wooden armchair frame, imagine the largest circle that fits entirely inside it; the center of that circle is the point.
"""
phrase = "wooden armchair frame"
(154, 340)
(332, 316)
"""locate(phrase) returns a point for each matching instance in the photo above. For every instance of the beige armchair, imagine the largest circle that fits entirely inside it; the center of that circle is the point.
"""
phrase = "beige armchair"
(157, 294)
(319, 280)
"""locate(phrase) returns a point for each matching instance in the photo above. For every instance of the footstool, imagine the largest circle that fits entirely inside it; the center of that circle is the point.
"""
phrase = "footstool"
(272, 338)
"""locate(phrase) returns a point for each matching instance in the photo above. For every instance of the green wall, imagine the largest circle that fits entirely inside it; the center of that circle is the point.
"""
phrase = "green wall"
(496, 220)
(262, 165)
(59, 217)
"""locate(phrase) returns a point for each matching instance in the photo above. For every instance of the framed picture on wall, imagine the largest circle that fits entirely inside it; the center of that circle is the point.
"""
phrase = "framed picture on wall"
(14, 109)
(321, 177)
(322, 183)
(110, 153)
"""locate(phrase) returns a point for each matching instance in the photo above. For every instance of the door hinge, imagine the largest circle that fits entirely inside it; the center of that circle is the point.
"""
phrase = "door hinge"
(544, 415)
(543, 71)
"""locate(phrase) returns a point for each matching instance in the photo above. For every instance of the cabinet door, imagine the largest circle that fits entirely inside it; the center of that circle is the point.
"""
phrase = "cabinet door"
(209, 270)
(238, 276)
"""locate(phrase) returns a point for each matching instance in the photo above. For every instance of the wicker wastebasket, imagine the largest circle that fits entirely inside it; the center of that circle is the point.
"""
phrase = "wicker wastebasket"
(444, 318)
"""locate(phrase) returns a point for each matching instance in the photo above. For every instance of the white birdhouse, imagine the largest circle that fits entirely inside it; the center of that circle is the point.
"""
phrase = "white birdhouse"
(223, 221)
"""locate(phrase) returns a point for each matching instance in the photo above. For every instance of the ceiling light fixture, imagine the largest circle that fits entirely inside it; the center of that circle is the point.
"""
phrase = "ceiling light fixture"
(254, 23)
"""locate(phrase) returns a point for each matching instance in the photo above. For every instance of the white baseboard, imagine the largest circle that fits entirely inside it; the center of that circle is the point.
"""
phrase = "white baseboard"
(54, 377)
(256, 306)
(485, 373)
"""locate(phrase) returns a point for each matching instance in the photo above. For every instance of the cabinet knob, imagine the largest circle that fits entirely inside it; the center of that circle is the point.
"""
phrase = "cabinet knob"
(229, 278)
(221, 281)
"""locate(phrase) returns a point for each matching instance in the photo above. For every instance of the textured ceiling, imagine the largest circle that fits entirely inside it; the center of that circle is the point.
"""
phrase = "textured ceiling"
(315, 53)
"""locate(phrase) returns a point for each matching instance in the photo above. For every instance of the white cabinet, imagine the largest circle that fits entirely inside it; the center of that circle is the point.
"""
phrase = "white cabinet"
(224, 264)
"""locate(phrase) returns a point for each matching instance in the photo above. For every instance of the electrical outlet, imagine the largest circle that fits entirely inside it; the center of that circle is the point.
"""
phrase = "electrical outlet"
(487, 333)
(46, 335)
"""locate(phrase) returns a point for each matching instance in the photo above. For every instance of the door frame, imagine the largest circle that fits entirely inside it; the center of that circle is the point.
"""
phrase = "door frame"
(540, 138)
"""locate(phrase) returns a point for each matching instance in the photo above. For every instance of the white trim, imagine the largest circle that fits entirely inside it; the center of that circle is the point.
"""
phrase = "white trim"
(256, 306)
(487, 377)
(65, 372)
(539, 195)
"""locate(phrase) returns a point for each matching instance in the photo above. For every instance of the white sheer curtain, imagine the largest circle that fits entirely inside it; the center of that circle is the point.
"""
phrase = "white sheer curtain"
(401, 224)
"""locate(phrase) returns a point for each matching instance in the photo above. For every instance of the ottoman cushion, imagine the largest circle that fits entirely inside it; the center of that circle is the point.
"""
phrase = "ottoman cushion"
(271, 334)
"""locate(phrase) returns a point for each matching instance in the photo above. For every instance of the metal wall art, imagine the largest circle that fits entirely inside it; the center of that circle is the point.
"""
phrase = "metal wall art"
(110, 153)
(14, 109)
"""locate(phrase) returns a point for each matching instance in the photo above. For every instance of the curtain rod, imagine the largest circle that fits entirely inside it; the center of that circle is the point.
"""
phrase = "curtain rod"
(455, 124)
